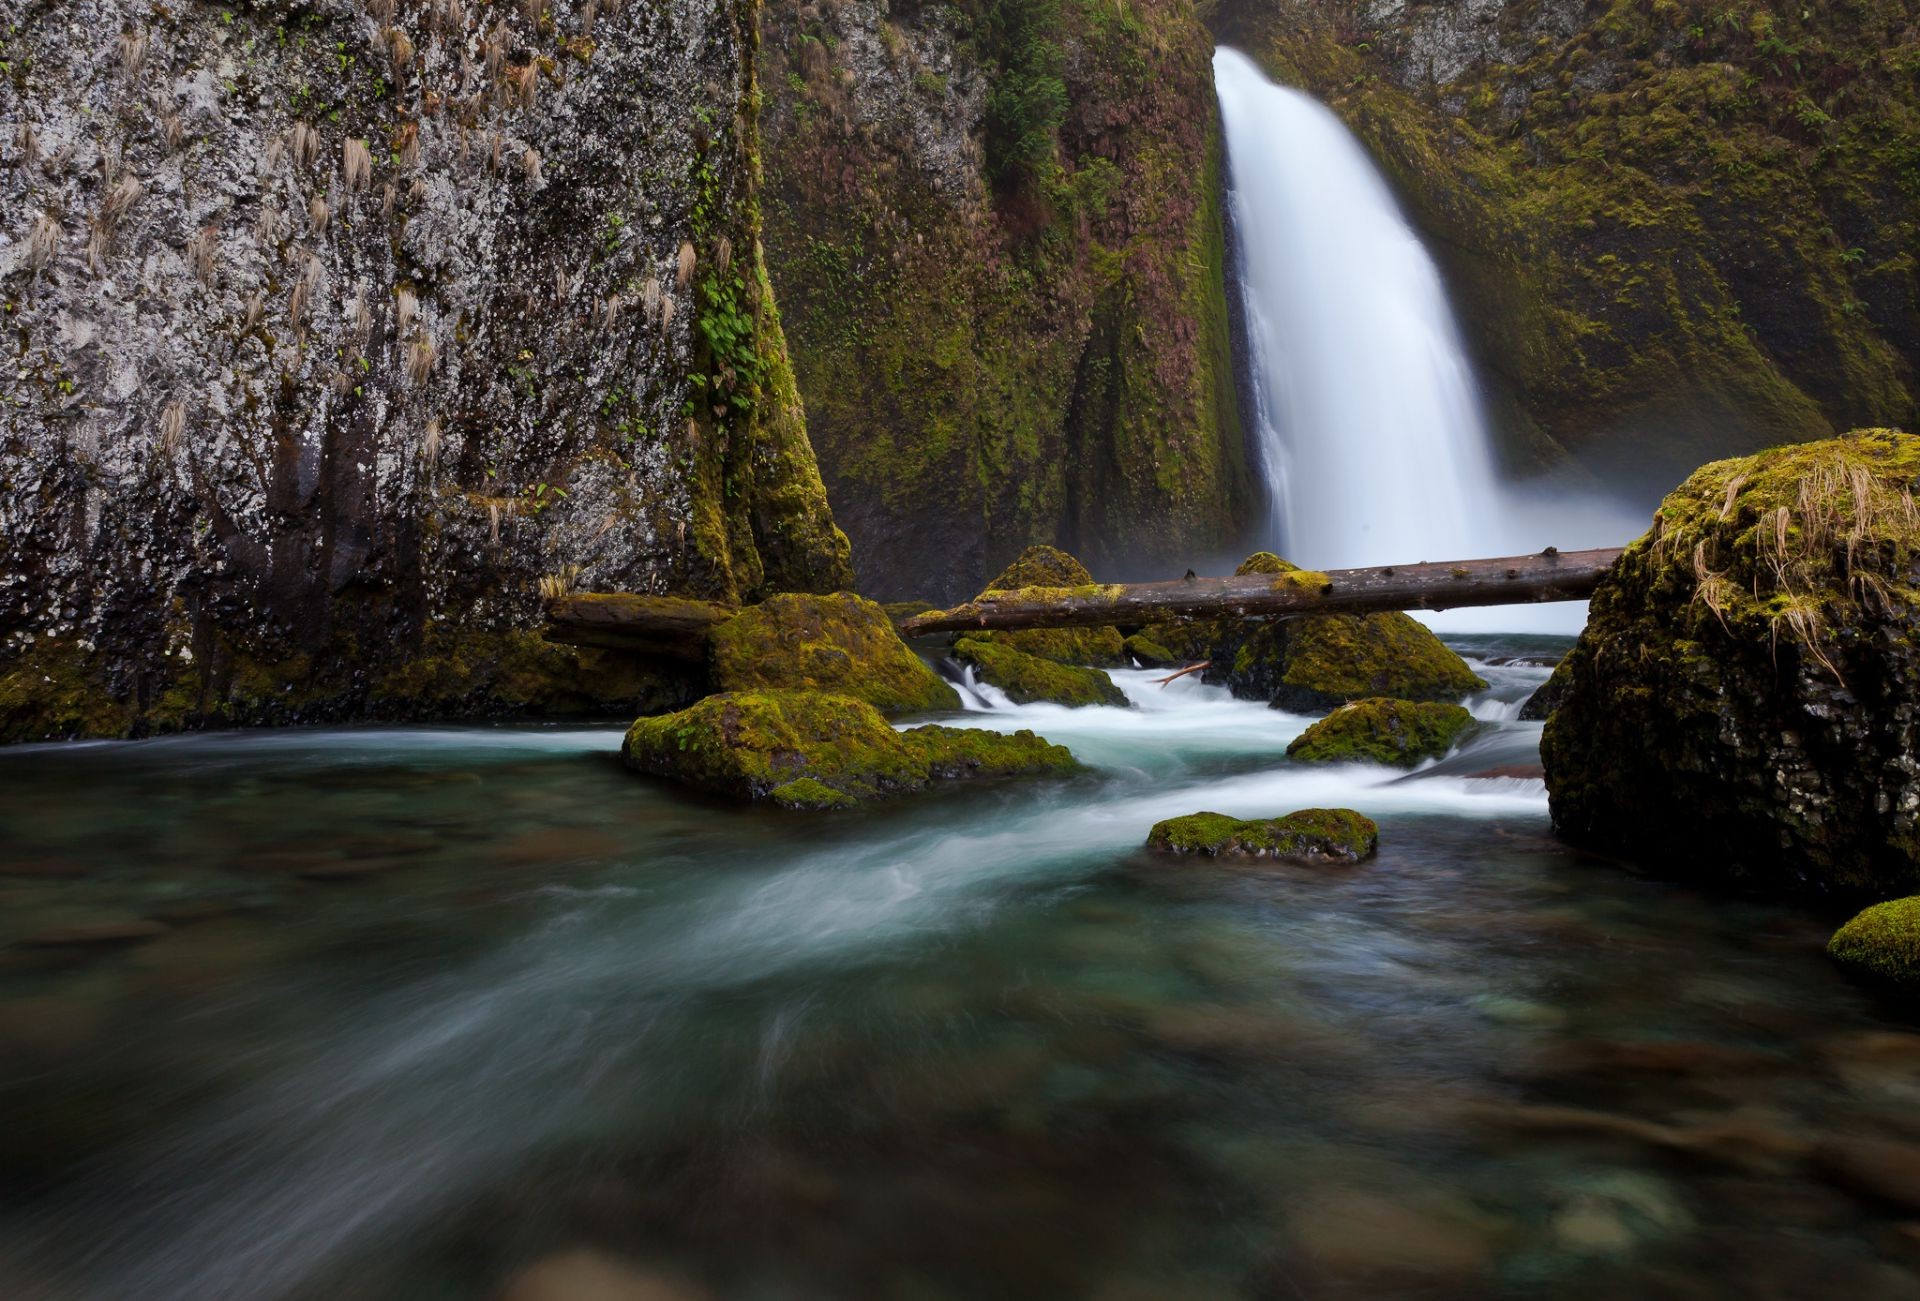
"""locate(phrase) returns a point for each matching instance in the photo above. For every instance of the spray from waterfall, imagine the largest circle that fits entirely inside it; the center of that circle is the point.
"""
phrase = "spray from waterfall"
(1372, 441)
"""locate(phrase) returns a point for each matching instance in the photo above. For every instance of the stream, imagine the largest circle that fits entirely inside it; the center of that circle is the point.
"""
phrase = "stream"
(433, 1005)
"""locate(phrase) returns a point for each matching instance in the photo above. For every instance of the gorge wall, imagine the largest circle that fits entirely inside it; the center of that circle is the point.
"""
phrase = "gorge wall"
(1673, 229)
(996, 230)
(335, 329)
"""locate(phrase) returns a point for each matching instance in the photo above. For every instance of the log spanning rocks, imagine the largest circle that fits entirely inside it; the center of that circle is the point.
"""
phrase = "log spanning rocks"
(1744, 705)
(1549, 576)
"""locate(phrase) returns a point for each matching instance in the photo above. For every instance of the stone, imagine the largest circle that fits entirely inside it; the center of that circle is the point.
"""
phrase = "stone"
(1882, 944)
(1880, 1169)
(1397, 733)
(1052, 567)
(797, 747)
(1744, 704)
(1310, 836)
(843, 644)
(1028, 679)
(1538, 706)
(1148, 653)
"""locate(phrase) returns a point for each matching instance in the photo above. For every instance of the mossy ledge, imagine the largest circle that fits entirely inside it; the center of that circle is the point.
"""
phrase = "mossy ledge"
(1028, 679)
(1397, 733)
(1311, 836)
(801, 749)
(1882, 945)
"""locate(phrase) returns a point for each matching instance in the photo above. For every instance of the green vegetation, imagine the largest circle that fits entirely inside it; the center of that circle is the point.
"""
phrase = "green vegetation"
(844, 644)
(1308, 836)
(1029, 678)
(1397, 733)
(791, 746)
(1044, 566)
(1882, 944)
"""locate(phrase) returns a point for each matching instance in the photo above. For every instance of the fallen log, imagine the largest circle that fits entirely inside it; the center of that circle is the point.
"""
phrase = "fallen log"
(669, 626)
(1551, 575)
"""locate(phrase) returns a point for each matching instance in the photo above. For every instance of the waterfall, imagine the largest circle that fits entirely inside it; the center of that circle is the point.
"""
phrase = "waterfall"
(1372, 441)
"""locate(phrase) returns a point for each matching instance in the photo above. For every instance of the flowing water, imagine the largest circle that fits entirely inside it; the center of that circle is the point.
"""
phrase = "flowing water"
(1368, 422)
(433, 1005)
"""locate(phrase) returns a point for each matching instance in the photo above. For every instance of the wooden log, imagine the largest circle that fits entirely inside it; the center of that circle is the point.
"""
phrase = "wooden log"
(1549, 576)
(668, 626)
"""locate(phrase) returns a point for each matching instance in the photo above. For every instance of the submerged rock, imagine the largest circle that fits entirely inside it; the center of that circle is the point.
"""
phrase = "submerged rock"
(1398, 733)
(808, 749)
(1052, 567)
(1029, 678)
(1882, 944)
(1744, 704)
(844, 644)
(1308, 836)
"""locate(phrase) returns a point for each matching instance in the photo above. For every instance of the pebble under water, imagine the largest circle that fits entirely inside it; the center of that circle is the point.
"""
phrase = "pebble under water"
(472, 1012)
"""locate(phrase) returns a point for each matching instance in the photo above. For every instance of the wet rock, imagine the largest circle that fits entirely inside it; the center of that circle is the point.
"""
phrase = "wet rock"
(1362, 1239)
(1744, 704)
(844, 644)
(1547, 698)
(1028, 679)
(96, 934)
(1310, 836)
(1879, 1169)
(588, 1275)
(756, 745)
(1148, 653)
(1398, 733)
(1881, 944)
(1881, 1065)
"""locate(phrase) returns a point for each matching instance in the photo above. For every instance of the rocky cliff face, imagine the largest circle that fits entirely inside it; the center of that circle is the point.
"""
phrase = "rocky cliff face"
(996, 231)
(1673, 230)
(336, 330)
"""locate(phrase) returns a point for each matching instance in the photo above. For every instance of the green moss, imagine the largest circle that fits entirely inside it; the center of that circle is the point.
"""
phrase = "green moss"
(1147, 652)
(1041, 566)
(1308, 836)
(1044, 568)
(843, 644)
(1027, 678)
(782, 744)
(51, 693)
(1882, 944)
(1264, 562)
(1313, 664)
(806, 793)
(1398, 733)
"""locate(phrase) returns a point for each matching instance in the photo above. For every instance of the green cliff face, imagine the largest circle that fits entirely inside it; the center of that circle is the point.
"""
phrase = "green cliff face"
(336, 337)
(996, 234)
(1672, 230)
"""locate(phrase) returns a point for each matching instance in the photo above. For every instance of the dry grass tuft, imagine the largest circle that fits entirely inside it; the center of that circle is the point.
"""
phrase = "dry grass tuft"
(530, 167)
(256, 312)
(420, 359)
(42, 242)
(389, 198)
(558, 584)
(266, 225)
(304, 143)
(406, 144)
(173, 131)
(356, 165)
(121, 196)
(524, 81)
(430, 440)
(650, 298)
(666, 314)
(318, 215)
(203, 252)
(173, 426)
(723, 255)
(133, 53)
(381, 11)
(400, 51)
(610, 312)
(416, 193)
(28, 141)
(405, 307)
(683, 276)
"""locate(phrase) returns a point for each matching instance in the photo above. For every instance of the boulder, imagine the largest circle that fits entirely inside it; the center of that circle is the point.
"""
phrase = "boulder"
(1309, 836)
(1398, 733)
(1538, 706)
(807, 749)
(1882, 944)
(1148, 653)
(842, 644)
(1029, 678)
(1744, 704)
(1052, 567)
(1308, 666)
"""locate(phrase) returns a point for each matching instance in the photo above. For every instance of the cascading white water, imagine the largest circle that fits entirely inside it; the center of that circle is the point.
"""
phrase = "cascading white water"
(1373, 443)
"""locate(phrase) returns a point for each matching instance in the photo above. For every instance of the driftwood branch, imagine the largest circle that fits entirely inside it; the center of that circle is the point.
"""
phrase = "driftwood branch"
(668, 626)
(1549, 576)
(1191, 668)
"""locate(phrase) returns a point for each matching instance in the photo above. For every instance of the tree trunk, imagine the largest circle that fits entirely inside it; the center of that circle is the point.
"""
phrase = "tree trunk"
(668, 626)
(1550, 576)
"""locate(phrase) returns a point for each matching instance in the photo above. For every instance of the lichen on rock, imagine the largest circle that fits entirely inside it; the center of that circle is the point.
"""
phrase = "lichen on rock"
(1744, 704)
(841, 644)
(1882, 944)
(1308, 836)
(1397, 733)
(790, 746)
(1028, 679)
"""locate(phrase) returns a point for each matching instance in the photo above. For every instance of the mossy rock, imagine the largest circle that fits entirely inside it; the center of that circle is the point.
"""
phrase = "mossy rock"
(842, 644)
(1147, 652)
(1051, 567)
(1744, 703)
(1541, 704)
(1029, 679)
(1308, 836)
(1311, 665)
(1882, 944)
(1398, 733)
(806, 749)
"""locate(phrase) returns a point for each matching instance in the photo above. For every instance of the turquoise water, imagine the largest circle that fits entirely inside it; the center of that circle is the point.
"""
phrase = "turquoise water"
(406, 1013)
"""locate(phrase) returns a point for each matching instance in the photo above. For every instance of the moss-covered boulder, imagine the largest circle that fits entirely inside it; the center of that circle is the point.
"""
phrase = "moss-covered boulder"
(806, 749)
(1148, 653)
(843, 644)
(1029, 679)
(1311, 665)
(1052, 567)
(1882, 944)
(1398, 733)
(1744, 704)
(1541, 704)
(1309, 836)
